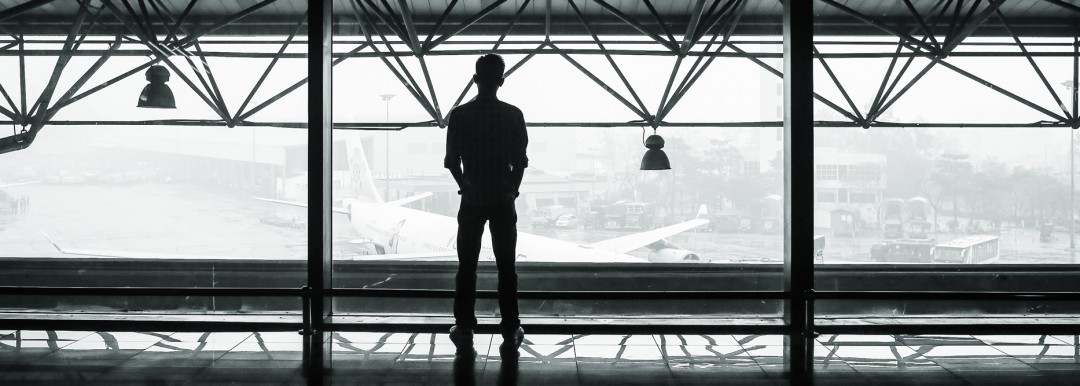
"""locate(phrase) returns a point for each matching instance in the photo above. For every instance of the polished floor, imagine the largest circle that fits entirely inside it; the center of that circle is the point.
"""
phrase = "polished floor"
(275, 358)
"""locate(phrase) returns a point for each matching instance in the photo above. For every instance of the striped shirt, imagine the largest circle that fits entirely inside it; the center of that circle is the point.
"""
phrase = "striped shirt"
(488, 138)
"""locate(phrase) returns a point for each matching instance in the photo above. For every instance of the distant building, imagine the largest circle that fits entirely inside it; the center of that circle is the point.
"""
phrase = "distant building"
(849, 187)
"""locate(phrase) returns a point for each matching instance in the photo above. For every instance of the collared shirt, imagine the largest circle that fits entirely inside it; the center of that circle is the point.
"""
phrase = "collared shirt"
(487, 136)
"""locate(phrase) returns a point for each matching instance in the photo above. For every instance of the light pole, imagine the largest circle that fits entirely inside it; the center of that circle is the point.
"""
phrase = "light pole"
(386, 191)
(1072, 174)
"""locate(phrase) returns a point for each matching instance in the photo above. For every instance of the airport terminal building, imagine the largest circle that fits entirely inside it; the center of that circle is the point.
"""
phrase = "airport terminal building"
(789, 192)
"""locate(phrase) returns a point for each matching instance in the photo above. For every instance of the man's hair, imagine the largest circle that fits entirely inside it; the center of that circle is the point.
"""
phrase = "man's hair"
(490, 67)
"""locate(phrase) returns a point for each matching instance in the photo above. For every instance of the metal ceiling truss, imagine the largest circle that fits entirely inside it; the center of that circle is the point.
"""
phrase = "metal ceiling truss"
(391, 34)
(962, 22)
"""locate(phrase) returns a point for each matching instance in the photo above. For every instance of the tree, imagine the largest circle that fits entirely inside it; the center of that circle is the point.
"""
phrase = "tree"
(989, 190)
(952, 173)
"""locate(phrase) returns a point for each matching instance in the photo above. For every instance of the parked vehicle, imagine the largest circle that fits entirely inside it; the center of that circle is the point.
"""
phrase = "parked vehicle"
(903, 251)
(977, 249)
(566, 220)
(546, 216)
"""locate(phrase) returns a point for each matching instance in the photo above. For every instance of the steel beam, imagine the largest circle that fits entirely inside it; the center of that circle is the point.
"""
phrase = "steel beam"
(240, 15)
(1035, 66)
(611, 61)
(927, 31)
(884, 82)
(8, 113)
(505, 75)
(655, 121)
(776, 72)
(171, 36)
(14, 112)
(513, 22)
(525, 51)
(164, 56)
(411, 85)
(970, 25)
(465, 24)
(293, 87)
(620, 98)
(38, 120)
(19, 9)
(692, 26)
(388, 21)
(320, 123)
(799, 187)
(635, 25)
(879, 106)
(495, 48)
(660, 21)
(22, 83)
(269, 67)
(840, 87)
(692, 76)
(439, 23)
(410, 31)
(67, 101)
(82, 80)
(903, 90)
(213, 83)
(395, 126)
(879, 25)
(431, 91)
(1065, 5)
(994, 87)
(547, 21)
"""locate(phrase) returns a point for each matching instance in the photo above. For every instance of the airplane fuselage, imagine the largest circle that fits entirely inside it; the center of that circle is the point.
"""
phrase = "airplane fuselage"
(402, 230)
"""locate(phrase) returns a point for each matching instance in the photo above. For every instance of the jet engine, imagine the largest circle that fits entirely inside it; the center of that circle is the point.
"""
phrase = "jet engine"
(664, 251)
(673, 255)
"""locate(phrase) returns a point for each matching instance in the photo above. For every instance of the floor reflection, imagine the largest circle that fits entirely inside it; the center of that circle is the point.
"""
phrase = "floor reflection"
(78, 357)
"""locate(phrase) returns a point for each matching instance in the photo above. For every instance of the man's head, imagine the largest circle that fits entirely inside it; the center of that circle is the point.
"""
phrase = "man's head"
(489, 72)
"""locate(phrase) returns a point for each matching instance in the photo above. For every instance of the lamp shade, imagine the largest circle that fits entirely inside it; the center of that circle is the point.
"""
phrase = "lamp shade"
(157, 94)
(655, 158)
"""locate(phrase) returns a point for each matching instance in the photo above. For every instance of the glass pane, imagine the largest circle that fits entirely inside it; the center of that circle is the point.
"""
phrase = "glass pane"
(111, 194)
(588, 218)
(962, 178)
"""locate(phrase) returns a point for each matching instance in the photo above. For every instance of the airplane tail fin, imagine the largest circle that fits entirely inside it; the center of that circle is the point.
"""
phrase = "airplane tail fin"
(360, 175)
(703, 212)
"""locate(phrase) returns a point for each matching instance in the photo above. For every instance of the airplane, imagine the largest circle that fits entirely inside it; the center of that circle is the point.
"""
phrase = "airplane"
(397, 232)
(402, 233)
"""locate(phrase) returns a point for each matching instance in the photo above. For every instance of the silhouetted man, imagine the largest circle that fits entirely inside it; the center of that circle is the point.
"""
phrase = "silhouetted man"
(485, 151)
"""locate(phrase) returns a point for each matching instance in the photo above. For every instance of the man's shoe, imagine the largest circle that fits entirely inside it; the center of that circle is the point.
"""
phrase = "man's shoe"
(512, 342)
(463, 340)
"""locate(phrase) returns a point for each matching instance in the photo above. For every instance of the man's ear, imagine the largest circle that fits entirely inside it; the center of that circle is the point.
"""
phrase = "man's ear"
(474, 79)
(501, 81)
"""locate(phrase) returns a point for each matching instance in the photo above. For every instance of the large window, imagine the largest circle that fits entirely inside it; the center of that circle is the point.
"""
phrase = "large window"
(115, 195)
(957, 170)
(585, 207)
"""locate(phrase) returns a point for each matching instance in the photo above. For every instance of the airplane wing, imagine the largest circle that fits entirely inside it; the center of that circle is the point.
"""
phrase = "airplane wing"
(134, 255)
(628, 243)
(19, 183)
(409, 199)
(299, 204)
(422, 256)
(426, 256)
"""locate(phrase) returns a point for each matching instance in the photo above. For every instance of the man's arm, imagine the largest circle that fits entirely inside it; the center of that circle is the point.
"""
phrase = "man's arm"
(521, 159)
(453, 154)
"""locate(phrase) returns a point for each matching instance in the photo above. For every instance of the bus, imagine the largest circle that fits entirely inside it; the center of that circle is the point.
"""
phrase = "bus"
(977, 249)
